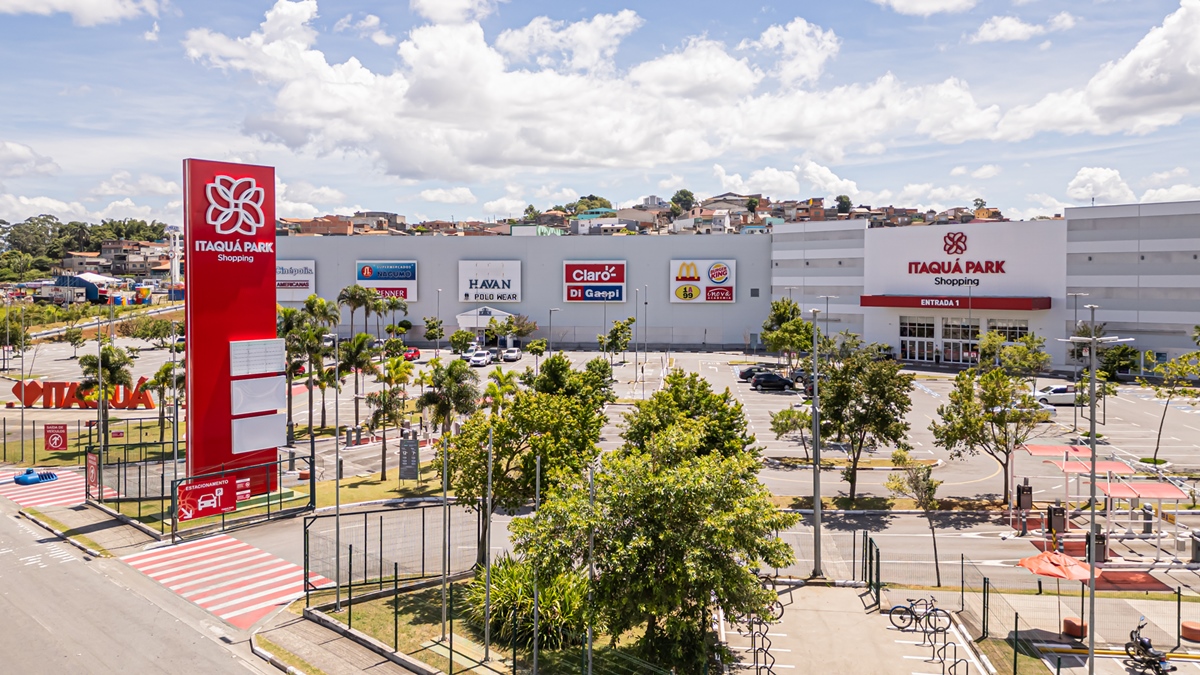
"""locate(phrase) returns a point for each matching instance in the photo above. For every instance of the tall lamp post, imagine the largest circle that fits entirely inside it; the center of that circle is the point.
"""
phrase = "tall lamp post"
(337, 471)
(827, 298)
(1092, 341)
(437, 350)
(646, 332)
(1075, 361)
(550, 345)
(636, 299)
(816, 418)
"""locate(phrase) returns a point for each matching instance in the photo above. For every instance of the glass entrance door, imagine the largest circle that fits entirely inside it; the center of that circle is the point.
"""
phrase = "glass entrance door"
(916, 338)
(916, 350)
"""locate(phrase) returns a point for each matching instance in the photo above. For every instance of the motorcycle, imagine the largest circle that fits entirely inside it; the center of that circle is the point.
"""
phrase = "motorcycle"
(1140, 649)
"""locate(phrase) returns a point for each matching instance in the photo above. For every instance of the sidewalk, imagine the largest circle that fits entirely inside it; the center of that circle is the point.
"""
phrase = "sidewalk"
(88, 527)
(321, 648)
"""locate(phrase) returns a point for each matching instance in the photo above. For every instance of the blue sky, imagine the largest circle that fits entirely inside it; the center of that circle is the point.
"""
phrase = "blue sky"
(474, 108)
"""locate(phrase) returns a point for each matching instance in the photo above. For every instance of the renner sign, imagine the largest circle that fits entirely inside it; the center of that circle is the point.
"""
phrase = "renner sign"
(489, 280)
(229, 215)
(593, 281)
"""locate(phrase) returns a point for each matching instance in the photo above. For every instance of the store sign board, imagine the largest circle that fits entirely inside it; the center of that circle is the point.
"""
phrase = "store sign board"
(391, 278)
(954, 302)
(703, 281)
(489, 280)
(593, 281)
(207, 498)
(229, 226)
(295, 280)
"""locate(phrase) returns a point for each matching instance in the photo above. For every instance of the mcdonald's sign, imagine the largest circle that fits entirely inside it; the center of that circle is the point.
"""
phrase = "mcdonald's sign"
(703, 281)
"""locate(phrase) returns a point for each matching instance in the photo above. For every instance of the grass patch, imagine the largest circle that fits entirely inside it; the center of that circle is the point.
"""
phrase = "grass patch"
(887, 503)
(1000, 653)
(139, 443)
(370, 488)
(287, 657)
(1152, 461)
(86, 541)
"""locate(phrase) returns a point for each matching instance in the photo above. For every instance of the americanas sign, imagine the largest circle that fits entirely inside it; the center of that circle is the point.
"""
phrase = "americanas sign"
(703, 281)
(295, 280)
(489, 280)
(391, 278)
(593, 281)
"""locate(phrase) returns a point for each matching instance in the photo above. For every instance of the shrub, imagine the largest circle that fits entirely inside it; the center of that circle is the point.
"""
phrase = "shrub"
(561, 603)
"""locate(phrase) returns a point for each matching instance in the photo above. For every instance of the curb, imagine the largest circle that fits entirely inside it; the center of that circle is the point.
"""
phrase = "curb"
(64, 537)
(400, 659)
(271, 658)
(383, 502)
(884, 512)
(1182, 656)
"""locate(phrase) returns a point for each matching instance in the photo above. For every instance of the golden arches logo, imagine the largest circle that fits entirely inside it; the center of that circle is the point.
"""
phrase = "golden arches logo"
(687, 272)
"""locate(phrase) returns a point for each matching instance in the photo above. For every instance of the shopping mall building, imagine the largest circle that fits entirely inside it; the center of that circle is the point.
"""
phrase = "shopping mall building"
(926, 290)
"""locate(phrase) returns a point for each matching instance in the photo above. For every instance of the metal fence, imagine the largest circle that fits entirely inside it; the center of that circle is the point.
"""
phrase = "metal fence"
(379, 544)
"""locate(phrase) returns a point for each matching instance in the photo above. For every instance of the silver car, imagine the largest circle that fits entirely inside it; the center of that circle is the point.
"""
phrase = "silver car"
(512, 354)
(481, 358)
(1059, 394)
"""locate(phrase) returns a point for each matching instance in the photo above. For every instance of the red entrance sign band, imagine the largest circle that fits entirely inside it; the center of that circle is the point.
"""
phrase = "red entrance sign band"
(954, 302)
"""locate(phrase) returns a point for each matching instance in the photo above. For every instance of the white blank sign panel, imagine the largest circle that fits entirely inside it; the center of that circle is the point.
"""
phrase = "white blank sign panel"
(260, 394)
(259, 433)
(256, 357)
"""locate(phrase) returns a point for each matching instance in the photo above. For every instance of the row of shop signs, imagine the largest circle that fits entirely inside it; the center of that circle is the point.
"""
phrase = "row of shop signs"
(691, 281)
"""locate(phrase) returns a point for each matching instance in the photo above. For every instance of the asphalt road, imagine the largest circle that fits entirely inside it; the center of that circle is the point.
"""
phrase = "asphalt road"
(64, 612)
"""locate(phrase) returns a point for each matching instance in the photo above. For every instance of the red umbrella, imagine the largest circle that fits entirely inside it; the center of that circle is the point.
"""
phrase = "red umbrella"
(1058, 565)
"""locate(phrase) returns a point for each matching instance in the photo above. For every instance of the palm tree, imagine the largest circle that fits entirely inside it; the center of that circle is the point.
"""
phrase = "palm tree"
(453, 390)
(165, 379)
(111, 368)
(354, 297)
(501, 385)
(291, 324)
(329, 377)
(422, 378)
(388, 407)
(376, 306)
(356, 356)
(322, 312)
(393, 305)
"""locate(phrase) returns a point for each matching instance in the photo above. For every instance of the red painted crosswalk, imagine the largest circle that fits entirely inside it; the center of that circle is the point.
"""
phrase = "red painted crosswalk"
(68, 490)
(230, 578)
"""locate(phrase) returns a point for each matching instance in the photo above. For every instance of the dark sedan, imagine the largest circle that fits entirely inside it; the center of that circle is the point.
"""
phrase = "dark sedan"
(763, 381)
(750, 371)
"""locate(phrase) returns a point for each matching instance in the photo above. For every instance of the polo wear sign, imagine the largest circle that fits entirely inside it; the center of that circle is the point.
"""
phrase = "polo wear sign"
(703, 281)
(390, 278)
(229, 226)
(489, 280)
(593, 281)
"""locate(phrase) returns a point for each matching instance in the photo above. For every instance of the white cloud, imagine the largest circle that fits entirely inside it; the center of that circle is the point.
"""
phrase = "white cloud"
(986, 171)
(457, 195)
(769, 181)
(585, 45)
(1102, 184)
(18, 159)
(83, 12)
(307, 192)
(1164, 178)
(452, 11)
(702, 70)
(505, 206)
(1175, 193)
(824, 180)
(804, 47)
(1046, 44)
(122, 184)
(370, 26)
(1006, 29)
(927, 7)
(958, 171)
(1061, 21)
(560, 195)
(152, 34)
(672, 182)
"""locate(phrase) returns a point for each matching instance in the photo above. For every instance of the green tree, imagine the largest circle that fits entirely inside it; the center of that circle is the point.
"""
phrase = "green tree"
(531, 212)
(617, 339)
(1173, 378)
(523, 326)
(495, 330)
(391, 305)
(74, 337)
(865, 400)
(322, 312)
(915, 481)
(679, 531)
(169, 377)
(356, 354)
(791, 421)
(537, 348)
(453, 390)
(782, 311)
(684, 199)
(688, 396)
(433, 329)
(1026, 358)
(354, 297)
(387, 405)
(110, 368)
(676, 211)
(461, 340)
(32, 236)
(589, 202)
(791, 338)
(844, 204)
(752, 205)
(592, 385)
(1116, 358)
(377, 307)
(980, 203)
(291, 324)
(502, 385)
(994, 413)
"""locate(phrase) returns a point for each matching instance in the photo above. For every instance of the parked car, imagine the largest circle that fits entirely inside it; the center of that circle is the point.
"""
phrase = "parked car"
(1049, 411)
(1060, 394)
(799, 376)
(480, 358)
(512, 354)
(495, 352)
(412, 354)
(808, 385)
(769, 380)
(750, 371)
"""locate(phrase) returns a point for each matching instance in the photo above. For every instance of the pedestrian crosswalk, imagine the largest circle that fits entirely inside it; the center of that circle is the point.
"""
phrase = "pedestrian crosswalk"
(68, 490)
(233, 580)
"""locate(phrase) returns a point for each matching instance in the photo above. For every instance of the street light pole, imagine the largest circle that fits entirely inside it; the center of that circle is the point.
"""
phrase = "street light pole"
(550, 346)
(646, 333)
(437, 350)
(636, 299)
(827, 298)
(337, 471)
(816, 419)
(1074, 361)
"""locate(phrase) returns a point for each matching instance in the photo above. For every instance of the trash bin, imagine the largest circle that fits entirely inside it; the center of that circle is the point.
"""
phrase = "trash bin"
(1057, 519)
(1101, 541)
(1025, 497)
(1195, 548)
(1147, 519)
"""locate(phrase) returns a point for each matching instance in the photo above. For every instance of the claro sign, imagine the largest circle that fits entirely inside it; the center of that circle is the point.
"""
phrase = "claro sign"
(955, 244)
(593, 281)
(229, 214)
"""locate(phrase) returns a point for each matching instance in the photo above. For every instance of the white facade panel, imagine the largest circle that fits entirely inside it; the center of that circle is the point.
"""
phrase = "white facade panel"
(1188, 318)
(801, 254)
(816, 281)
(1169, 281)
(1108, 246)
(259, 433)
(1103, 281)
(258, 394)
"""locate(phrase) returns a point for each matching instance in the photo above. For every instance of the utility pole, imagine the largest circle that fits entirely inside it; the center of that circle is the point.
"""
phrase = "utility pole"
(816, 419)
(1074, 361)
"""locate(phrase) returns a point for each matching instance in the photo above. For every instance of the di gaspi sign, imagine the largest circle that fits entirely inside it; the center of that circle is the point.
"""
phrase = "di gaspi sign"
(703, 281)
(593, 281)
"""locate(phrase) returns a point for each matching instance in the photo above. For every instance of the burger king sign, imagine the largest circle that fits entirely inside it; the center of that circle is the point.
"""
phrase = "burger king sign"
(702, 281)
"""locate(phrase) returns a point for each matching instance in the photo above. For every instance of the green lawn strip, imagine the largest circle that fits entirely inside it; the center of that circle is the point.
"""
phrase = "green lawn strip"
(140, 443)
(1158, 596)
(420, 622)
(286, 657)
(68, 532)
(886, 503)
(370, 488)
(1000, 653)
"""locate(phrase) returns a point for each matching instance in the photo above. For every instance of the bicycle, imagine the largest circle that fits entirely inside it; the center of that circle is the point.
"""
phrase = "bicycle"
(924, 613)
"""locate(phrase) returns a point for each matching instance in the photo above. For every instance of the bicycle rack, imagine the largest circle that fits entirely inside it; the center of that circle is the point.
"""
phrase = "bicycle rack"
(758, 629)
(935, 649)
(953, 662)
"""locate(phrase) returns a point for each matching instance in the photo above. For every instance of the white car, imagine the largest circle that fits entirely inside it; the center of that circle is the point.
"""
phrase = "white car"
(512, 354)
(481, 358)
(1060, 394)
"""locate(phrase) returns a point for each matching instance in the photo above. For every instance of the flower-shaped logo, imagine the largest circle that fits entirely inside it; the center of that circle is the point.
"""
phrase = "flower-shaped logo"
(234, 205)
(955, 243)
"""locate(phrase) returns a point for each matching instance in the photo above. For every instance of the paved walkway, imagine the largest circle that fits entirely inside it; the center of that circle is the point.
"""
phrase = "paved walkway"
(110, 534)
(324, 649)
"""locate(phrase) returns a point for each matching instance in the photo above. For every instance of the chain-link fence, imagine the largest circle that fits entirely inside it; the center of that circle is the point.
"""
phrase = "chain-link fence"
(378, 544)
